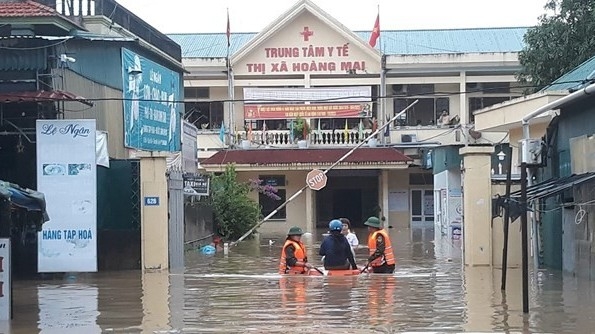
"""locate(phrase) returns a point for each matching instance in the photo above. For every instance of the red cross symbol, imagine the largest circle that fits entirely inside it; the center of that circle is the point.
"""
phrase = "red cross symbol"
(307, 33)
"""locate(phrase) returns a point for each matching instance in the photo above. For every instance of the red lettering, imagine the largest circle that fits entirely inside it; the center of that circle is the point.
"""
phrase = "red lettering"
(275, 67)
(319, 51)
(284, 52)
(295, 67)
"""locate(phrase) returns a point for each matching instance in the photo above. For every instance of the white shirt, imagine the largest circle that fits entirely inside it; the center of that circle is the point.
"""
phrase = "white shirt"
(352, 238)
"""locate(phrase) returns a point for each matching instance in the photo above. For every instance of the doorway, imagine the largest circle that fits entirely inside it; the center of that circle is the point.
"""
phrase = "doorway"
(422, 207)
(347, 196)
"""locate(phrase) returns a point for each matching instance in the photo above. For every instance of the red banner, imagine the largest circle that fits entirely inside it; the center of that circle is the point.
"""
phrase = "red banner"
(288, 111)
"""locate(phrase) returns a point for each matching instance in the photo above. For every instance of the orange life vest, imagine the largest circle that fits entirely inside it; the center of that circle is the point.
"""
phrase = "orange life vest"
(300, 255)
(388, 257)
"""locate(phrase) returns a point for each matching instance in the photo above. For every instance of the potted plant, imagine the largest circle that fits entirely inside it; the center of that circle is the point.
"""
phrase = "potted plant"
(301, 130)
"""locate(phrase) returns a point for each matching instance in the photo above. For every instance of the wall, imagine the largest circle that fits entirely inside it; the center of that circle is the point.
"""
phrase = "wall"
(295, 209)
(97, 61)
(398, 180)
(514, 233)
(108, 113)
(584, 251)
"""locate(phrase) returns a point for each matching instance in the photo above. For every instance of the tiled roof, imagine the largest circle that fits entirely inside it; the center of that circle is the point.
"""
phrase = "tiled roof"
(579, 76)
(25, 8)
(305, 156)
(394, 42)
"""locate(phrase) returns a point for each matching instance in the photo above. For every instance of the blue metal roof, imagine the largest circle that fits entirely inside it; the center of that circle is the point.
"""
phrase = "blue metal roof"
(580, 75)
(394, 42)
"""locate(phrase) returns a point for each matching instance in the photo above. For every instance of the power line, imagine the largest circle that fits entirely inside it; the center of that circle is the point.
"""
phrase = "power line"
(272, 101)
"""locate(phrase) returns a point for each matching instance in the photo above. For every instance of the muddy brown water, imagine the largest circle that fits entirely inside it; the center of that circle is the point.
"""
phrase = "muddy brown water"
(241, 292)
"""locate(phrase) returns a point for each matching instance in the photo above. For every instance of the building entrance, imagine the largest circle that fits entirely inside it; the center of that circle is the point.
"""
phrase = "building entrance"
(348, 194)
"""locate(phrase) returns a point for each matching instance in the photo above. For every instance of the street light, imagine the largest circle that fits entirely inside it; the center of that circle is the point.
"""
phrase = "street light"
(501, 157)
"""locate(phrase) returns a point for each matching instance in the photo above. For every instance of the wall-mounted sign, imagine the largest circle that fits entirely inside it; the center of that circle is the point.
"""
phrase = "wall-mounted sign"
(151, 109)
(285, 111)
(326, 94)
(152, 201)
(196, 184)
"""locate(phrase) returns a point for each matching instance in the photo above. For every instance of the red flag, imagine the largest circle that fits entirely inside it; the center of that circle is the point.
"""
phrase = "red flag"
(228, 32)
(375, 32)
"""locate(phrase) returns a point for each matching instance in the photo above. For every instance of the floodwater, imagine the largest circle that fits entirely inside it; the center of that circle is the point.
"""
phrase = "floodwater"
(241, 292)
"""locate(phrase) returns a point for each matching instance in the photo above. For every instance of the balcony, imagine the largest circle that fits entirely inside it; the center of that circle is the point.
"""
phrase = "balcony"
(317, 139)
(419, 136)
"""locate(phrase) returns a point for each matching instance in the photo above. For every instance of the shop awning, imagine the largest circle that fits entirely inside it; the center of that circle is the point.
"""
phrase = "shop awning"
(42, 96)
(554, 186)
(24, 198)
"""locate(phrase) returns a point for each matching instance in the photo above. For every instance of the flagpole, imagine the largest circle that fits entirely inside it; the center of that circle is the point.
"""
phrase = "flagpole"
(230, 90)
(382, 94)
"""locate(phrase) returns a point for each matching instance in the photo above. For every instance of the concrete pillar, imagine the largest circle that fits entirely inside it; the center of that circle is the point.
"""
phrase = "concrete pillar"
(310, 210)
(154, 211)
(384, 196)
(155, 301)
(463, 112)
(477, 205)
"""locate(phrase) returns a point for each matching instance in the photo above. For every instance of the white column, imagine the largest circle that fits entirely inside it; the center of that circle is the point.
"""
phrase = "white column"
(384, 196)
(310, 210)
(463, 110)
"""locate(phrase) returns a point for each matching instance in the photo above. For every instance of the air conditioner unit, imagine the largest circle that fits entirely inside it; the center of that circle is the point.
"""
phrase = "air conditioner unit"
(530, 152)
(409, 138)
(399, 89)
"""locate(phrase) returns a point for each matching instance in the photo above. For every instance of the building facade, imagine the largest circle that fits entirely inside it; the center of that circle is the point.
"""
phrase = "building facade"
(307, 67)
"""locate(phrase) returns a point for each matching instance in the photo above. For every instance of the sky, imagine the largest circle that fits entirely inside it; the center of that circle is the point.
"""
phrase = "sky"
(202, 16)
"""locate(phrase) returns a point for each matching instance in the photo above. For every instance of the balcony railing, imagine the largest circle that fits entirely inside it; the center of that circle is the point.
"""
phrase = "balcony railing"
(405, 136)
(283, 138)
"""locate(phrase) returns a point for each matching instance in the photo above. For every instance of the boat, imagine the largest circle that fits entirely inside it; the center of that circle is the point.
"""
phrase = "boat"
(334, 272)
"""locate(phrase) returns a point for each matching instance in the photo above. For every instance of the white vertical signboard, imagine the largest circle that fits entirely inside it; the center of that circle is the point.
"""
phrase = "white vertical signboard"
(5, 281)
(66, 174)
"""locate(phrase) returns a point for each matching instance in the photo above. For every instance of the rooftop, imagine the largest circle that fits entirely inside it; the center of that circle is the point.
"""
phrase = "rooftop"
(394, 42)
(25, 8)
(580, 75)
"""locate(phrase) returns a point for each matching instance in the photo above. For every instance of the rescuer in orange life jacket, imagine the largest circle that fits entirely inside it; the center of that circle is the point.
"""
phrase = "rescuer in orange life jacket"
(293, 254)
(381, 259)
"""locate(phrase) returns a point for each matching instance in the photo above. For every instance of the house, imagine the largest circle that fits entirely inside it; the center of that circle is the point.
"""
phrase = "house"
(307, 66)
(559, 116)
(85, 60)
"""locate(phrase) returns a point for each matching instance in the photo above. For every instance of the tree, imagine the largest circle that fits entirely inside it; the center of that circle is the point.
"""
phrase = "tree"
(559, 43)
(235, 212)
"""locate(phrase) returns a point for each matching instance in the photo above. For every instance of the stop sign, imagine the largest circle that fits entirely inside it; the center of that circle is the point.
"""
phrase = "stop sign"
(316, 179)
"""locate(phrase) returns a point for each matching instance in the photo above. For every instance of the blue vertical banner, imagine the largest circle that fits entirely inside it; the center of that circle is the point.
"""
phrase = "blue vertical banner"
(152, 112)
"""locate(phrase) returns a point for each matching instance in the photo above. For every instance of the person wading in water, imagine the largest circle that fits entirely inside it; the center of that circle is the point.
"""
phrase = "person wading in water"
(293, 255)
(336, 249)
(381, 259)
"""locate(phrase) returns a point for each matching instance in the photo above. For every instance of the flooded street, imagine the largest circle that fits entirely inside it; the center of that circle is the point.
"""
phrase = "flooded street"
(241, 292)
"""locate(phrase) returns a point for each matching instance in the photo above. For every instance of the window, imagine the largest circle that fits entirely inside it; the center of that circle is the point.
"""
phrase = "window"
(204, 115)
(424, 113)
(489, 87)
(477, 103)
(421, 179)
(268, 204)
(196, 92)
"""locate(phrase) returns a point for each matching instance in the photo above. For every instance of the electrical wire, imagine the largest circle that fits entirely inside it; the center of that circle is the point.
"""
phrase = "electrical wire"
(396, 96)
(35, 47)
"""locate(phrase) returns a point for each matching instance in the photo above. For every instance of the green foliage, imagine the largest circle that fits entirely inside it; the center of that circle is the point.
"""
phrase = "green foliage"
(561, 41)
(235, 211)
(301, 130)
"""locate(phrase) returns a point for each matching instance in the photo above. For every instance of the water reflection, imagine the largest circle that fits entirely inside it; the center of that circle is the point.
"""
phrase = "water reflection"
(241, 292)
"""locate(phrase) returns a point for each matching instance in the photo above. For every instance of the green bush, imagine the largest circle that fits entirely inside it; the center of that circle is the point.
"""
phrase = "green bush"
(235, 211)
